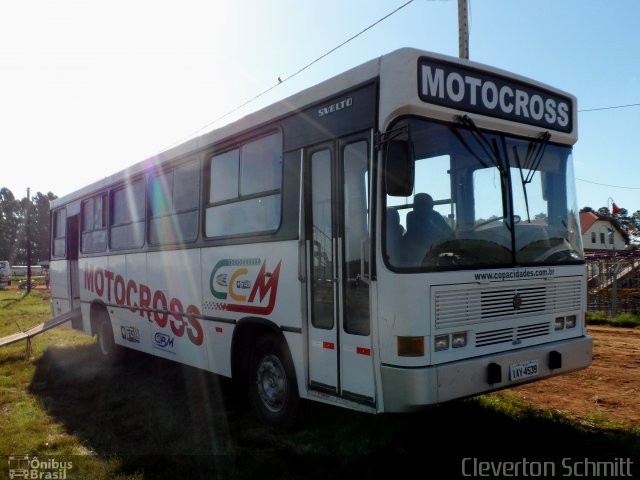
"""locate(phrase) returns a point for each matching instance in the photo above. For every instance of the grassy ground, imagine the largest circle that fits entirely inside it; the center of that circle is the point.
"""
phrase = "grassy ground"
(151, 418)
(622, 320)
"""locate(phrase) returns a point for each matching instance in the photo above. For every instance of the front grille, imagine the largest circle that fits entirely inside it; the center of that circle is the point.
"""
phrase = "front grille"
(512, 334)
(530, 331)
(457, 307)
(500, 303)
(493, 337)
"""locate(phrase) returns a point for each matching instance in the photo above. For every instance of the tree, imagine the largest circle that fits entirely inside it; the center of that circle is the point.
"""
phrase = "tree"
(13, 227)
(37, 210)
(10, 221)
(40, 226)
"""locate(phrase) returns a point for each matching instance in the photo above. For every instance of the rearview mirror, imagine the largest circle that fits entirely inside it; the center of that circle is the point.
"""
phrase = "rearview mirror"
(399, 168)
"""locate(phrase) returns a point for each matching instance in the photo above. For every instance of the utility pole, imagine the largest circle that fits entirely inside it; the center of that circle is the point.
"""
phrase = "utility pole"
(463, 29)
(28, 240)
(610, 239)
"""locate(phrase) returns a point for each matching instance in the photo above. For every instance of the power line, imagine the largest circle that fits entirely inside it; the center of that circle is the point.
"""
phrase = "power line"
(281, 81)
(353, 37)
(609, 108)
(607, 185)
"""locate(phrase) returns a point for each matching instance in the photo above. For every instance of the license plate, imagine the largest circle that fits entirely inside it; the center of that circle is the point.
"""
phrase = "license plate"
(522, 370)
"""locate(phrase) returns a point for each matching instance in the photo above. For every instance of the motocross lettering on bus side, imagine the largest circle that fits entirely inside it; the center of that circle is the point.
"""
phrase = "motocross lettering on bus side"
(244, 285)
(167, 313)
(464, 88)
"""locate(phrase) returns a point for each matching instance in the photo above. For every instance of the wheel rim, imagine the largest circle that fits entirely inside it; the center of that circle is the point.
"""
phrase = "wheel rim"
(272, 383)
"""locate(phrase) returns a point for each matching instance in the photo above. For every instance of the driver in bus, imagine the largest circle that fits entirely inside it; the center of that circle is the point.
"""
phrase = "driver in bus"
(425, 228)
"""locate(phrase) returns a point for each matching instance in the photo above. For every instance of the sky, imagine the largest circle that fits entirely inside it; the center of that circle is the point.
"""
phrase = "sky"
(88, 88)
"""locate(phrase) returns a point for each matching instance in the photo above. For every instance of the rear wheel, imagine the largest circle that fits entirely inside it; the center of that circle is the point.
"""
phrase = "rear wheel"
(272, 383)
(108, 349)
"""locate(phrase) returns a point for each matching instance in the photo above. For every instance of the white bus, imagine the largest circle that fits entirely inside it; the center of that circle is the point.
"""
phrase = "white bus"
(403, 234)
(22, 269)
(6, 276)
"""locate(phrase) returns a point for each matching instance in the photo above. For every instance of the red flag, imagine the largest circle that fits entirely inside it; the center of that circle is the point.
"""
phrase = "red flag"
(615, 209)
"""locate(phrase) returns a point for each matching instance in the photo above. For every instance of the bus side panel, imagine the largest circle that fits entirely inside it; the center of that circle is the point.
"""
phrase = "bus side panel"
(89, 269)
(115, 282)
(174, 283)
(411, 320)
(296, 343)
(60, 288)
(218, 344)
(257, 281)
(130, 325)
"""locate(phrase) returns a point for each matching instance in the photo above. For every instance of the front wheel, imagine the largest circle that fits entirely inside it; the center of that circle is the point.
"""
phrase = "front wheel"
(272, 383)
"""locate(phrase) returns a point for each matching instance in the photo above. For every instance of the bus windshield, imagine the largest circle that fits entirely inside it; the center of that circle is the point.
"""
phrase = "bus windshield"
(483, 199)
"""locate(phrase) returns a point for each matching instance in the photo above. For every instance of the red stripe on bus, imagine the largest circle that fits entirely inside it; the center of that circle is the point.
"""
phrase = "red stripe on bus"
(328, 345)
(363, 351)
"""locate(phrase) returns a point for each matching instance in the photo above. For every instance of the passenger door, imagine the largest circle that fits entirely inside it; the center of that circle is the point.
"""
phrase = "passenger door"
(338, 253)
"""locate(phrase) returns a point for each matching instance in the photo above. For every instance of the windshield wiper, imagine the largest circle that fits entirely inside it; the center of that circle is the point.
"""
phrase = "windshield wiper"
(535, 152)
(490, 149)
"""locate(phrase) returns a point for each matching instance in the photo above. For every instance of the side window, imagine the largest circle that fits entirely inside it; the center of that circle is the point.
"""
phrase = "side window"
(322, 228)
(432, 202)
(173, 205)
(244, 193)
(94, 224)
(127, 215)
(356, 238)
(225, 171)
(59, 233)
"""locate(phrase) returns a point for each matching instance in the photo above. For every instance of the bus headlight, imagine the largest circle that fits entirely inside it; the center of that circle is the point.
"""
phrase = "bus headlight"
(570, 321)
(559, 323)
(459, 340)
(441, 342)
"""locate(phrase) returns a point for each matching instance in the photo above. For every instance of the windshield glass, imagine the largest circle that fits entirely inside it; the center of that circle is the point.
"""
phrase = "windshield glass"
(483, 199)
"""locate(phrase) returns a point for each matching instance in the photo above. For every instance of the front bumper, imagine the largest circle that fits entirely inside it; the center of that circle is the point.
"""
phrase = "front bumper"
(407, 389)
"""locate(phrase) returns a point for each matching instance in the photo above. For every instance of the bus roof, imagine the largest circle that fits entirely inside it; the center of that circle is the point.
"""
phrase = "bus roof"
(396, 88)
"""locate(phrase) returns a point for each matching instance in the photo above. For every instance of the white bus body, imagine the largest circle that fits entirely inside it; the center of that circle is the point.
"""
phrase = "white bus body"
(297, 247)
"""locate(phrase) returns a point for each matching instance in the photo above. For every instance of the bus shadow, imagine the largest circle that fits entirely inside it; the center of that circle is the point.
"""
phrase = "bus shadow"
(170, 421)
(146, 411)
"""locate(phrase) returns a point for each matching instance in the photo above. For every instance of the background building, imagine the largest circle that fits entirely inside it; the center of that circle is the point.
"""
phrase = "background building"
(602, 234)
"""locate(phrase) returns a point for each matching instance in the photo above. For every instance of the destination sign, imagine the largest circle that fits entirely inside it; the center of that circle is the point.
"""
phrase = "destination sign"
(463, 88)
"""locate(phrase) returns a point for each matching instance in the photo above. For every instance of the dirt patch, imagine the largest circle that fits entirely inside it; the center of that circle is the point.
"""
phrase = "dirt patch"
(606, 391)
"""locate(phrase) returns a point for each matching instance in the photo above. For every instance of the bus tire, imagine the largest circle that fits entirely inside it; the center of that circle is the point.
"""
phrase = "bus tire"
(272, 383)
(108, 349)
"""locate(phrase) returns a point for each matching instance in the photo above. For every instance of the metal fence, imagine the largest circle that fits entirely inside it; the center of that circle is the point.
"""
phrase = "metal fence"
(613, 284)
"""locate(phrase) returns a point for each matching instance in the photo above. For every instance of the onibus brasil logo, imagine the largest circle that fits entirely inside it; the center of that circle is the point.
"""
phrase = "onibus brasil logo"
(244, 285)
(25, 466)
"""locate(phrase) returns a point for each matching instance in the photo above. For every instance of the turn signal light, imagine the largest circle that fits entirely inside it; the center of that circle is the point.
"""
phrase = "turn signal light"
(411, 346)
